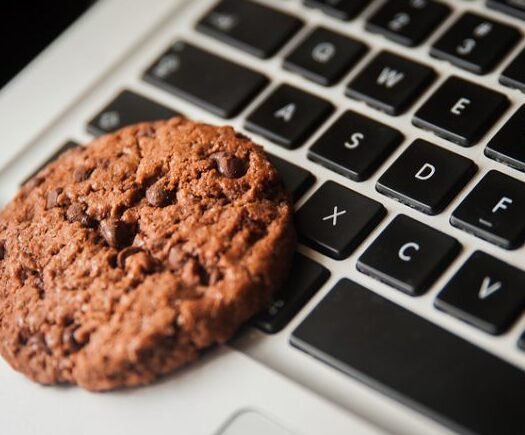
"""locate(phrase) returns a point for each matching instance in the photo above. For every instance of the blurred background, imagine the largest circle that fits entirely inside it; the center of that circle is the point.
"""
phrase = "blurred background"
(28, 26)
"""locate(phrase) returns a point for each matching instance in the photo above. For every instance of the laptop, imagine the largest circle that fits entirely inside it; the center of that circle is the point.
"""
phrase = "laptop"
(399, 128)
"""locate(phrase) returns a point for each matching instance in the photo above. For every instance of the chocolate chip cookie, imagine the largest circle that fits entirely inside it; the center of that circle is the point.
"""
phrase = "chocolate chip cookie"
(123, 259)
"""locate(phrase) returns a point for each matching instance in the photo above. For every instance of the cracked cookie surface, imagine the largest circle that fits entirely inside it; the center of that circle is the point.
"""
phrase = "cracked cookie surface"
(123, 259)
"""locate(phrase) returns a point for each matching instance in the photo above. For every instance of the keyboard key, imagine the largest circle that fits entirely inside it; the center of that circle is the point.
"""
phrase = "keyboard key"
(513, 75)
(486, 292)
(414, 361)
(126, 109)
(249, 26)
(409, 255)
(67, 146)
(408, 22)
(288, 116)
(335, 220)
(305, 278)
(324, 56)
(507, 145)
(184, 70)
(390, 83)
(426, 177)
(296, 180)
(461, 111)
(340, 9)
(494, 211)
(476, 43)
(515, 8)
(355, 146)
(521, 341)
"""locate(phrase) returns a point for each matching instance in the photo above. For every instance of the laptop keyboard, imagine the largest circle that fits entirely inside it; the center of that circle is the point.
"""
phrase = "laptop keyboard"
(461, 111)
(127, 108)
(476, 43)
(469, 390)
(223, 92)
(408, 22)
(335, 221)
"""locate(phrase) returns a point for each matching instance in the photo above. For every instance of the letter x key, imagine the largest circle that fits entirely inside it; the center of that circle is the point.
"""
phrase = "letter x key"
(324, 222)
(333, 217)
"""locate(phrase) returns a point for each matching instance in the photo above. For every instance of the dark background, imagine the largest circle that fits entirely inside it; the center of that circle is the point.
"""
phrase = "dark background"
(28, 26)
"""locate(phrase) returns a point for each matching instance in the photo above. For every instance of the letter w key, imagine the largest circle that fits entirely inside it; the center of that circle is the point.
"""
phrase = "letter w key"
(389, 77)
(390, 83)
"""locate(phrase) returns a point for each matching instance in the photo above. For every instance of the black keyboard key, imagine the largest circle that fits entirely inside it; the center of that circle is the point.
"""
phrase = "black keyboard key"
(335, 220)
(249, 26)
(305, 278)
(340, 9)
(216, 84)
(67, 146)
(426, 177)
(355, 146)
(408, 22)
(521, 341)
(390, 83)
(288, 116)
(485, 292)
(410, 359)
(494, 211)
(513, 75)
(476, 43)
(515, 8)
(409, 255)
(461, 111)
(324, 56)
(507, 146)
(296, 180)
(126, 109)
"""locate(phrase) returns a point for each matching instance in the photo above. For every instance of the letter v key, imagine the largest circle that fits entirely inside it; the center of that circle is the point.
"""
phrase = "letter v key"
(487, 288)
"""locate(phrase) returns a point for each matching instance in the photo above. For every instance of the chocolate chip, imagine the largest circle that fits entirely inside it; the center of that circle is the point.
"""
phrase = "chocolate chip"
(125, 253)
(157, 196)
(229, 165)
(82, 173)
(2, 249)
(76, 213)
(52, 197)
(176, 257)
(116, 233)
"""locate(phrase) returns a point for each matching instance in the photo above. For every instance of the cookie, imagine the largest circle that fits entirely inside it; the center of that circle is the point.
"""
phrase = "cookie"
(122, 260)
